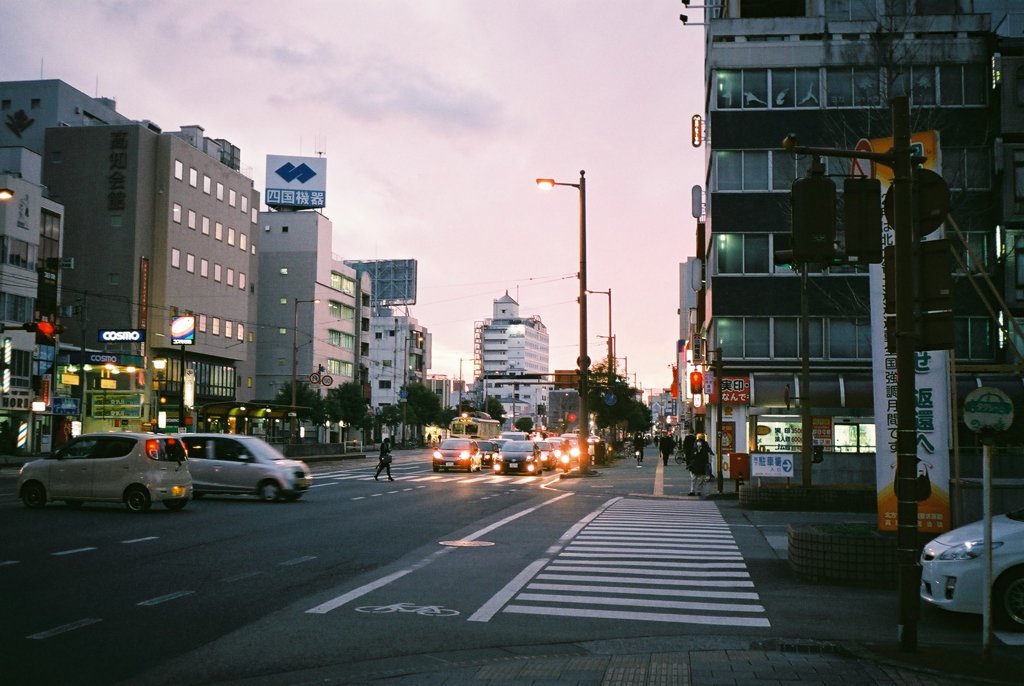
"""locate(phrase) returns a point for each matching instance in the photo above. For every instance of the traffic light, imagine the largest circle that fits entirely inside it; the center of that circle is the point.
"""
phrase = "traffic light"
(696, 383)
(46, 332)
(813, 200)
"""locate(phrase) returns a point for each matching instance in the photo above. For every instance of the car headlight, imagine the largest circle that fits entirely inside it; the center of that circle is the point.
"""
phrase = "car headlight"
(464, 455)
(968, 550)
(437, 455)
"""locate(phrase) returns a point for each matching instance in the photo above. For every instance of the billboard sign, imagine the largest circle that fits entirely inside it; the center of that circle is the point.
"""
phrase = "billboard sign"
(183, 330)
(298, 183)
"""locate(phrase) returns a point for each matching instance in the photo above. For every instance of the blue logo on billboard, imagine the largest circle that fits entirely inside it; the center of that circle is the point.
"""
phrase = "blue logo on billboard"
(289, 172)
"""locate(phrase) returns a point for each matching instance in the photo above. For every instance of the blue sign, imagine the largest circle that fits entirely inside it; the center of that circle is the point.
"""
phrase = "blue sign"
(66, 406)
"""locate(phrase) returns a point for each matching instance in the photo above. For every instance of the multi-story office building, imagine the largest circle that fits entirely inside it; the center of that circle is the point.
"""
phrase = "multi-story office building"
(157, 225)
(30, 233)
(826, 71)
(314, 310)
(509, 345)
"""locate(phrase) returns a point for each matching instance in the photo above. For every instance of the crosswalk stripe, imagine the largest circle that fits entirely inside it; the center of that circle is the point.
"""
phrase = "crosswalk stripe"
(641, 561)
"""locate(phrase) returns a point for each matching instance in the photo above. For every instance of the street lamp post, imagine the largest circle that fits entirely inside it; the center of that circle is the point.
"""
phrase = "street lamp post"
(584, 360)
(293, 415)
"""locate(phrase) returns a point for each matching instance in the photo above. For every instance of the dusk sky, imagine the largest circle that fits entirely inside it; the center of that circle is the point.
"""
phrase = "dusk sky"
(436, 117)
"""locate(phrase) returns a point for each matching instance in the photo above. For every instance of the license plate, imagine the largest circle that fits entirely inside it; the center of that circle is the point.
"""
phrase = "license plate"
(449, 464)
(513, 465)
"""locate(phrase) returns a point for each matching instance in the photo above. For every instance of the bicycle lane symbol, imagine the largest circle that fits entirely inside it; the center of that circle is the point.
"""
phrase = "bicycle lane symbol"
(423, 610)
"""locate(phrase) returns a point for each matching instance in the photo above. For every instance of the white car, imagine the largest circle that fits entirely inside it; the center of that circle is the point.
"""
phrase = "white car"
(246, 465)
(136, 469)
(953, 570)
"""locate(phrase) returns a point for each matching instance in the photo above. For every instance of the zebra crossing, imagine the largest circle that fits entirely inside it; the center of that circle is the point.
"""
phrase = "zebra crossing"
(642, 560)
(419, 475)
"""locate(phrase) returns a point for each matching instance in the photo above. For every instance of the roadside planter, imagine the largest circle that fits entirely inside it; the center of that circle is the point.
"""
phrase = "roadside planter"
(849, 554)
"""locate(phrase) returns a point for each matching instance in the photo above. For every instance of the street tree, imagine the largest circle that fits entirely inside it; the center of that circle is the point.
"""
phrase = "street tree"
(494, 408)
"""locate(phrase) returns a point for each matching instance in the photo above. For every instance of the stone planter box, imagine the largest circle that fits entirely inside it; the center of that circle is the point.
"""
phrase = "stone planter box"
(848, 554)
(833, 498)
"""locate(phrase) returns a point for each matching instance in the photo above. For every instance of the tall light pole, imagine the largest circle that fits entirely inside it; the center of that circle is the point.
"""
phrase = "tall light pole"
(293, 424)
(584, 360)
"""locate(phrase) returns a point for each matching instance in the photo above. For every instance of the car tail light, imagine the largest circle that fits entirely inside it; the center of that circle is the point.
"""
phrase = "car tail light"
(152, 449)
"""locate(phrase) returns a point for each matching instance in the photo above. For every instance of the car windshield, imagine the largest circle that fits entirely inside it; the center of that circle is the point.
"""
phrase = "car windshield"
(455, 444)
(518, 447)
(544, 445)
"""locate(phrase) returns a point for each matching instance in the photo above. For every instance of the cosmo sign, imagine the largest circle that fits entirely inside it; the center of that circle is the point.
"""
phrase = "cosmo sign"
(296, 182)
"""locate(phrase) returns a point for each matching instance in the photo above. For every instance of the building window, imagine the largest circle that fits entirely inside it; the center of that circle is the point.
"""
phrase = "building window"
(192, 219)
(190, 263)
(240, 331)
(341, 311)
(206, 184)
(218, 231)
(175, 258)
(231, 277)
(742, 89)
(227, 328)
(241, 280)
(243, 241)
(206, 225)
(215, 326)
(202, 323)
(193, 177)
(216, 272)
(179, 170)
(849, 10)
(740, 253)
(204, 268)
(231, 197)
(282, 331)
(283, 271)
(967, 168)
(973, 338)
(741, 170)
(786, 337)
(794, 88)
(849, 339)
(244, 207)
(962, 84)
(176, 213)
(231, 236)
(853, 87)
(348, 286)
(980, 244)
(220, 191)
(384, 384)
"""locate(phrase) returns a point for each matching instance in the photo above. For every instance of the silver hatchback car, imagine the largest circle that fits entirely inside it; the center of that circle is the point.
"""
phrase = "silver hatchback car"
(239, 464)
(131, 468)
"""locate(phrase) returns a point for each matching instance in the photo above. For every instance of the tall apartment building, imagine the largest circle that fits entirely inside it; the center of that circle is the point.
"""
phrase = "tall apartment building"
(506, 346)
(399, 355)
(826, 71)
(314, 310)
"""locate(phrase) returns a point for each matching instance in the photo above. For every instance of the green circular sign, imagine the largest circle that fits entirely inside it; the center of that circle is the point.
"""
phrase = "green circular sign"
(988, 409)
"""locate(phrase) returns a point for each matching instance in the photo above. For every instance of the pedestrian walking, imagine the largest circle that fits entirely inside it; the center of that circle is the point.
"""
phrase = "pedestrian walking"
(699, 465)
(639, 441)
(666, 445)
(385, 459)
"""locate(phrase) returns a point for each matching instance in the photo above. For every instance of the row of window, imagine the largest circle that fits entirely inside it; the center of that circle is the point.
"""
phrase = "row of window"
(220, 273)
(778, 338)
(235, 199)
(963, 168)
(788, 88)
(345, 284)
(218, 228)
(215, 326)
(751, 253)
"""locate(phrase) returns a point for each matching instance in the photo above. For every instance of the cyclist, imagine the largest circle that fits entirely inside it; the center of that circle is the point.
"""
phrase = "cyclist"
(639, 441)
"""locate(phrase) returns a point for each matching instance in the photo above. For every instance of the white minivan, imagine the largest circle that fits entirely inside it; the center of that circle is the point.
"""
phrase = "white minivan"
(122, 467)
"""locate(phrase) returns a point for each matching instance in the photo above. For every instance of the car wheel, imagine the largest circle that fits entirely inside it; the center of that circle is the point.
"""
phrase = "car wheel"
(176, 504)
(33, 494)
(1008, 600)
(269, 490)
(136, 499)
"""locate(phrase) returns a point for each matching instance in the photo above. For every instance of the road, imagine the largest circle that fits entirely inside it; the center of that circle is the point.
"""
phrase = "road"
(362, 573)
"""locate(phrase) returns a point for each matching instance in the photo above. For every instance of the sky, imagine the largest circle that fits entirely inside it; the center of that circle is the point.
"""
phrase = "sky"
(436, 117)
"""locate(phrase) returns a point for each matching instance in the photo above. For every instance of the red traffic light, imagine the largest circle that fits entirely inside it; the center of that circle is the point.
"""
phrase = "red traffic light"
(45, 331)
(696, 383)
(571, 416)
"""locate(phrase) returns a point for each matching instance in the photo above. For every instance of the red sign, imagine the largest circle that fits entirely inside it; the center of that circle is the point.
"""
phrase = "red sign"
(735, 390)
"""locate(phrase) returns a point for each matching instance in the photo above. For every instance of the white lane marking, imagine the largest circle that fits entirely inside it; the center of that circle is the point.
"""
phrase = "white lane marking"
(716, 620)
(639, 602)
(4, 563)
(359, 497)
(240, 577)
(140, 540)
(164, 598)
(556, 567)
(635, 580)
(636, 590)
(73, 551)
(337, 602)
(297, 561)
(63, 629)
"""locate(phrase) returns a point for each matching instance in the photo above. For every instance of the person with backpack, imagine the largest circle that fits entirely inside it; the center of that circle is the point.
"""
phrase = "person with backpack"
(385, 459)
(700, 465)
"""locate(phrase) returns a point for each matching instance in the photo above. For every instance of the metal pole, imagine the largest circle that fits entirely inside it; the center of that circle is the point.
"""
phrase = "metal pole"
(986, 606)
(181, 389)
(906, 429)
(718, 419)
(293, 414)
(584, 361)
(806, 423)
